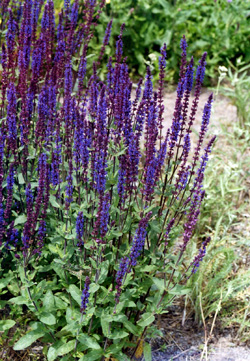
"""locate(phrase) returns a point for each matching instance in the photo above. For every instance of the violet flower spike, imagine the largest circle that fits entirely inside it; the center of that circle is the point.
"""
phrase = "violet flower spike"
(10, 184)
(69, 187)
(11, 118)
(119, 45)
(122, 271)
(80, 229)
(85, 295)
(200, 256)
(12, 237)
(138, 241)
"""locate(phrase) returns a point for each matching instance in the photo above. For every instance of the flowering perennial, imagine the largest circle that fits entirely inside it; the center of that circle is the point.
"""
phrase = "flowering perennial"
(85, 162)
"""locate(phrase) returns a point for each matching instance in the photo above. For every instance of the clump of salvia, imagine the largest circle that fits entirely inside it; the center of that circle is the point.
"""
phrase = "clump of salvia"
(90, 183)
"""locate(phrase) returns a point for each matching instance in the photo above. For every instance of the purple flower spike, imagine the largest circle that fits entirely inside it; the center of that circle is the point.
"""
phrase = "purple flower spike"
(10, 183)
(123, 269)
(12, 237)
(10, 38)
(139, 240)
(69, 187)
(105, 41)
(79, 229)
(2, 223)
(11, 117)
(199, 79)
(200, 256)
(41, 235)
(204, 127)
(119, 45)
(102, 218)
(85, 295)
(162, 66)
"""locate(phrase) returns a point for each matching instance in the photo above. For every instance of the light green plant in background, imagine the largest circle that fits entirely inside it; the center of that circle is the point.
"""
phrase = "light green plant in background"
(238, 89)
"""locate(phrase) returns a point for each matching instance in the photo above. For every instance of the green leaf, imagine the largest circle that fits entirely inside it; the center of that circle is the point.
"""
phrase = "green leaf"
(6, 324)
(20, 220)
(75, 293)
(147, 353)
(131, 327)
(92, 356)
(159, 282)
(21, 179)
(5, 281)
(52, 353)
(179, 290)
(93, 288)
(47, 318)
(104, 271)
(146, 320)
(118, 334)
(20, 300)
(28, 339)
(66, 348)
(53, 201)
(60, 304)
(105, 325)
(49, 301)
(88, 341)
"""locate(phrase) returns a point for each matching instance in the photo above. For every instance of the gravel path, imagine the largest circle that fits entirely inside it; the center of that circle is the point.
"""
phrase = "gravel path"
(222, 111)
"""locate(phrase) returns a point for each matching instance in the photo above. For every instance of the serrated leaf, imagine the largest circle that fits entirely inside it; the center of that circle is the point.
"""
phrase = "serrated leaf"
(147, 353)
(20, 220)
(75, 293)
(28, 339)
(6, 324)
(88, 341)
(146, 320)
(47, 318)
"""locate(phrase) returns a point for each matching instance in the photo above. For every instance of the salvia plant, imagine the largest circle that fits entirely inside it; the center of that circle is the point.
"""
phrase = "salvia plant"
(97, 203)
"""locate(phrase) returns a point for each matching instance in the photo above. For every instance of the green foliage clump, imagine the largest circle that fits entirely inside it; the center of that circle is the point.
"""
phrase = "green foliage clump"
(221, 26)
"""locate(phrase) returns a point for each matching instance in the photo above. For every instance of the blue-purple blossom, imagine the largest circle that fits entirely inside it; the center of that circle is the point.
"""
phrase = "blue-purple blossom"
(11, 117)
(202, 252)
(10, 184)
(85, 295)
(139, 240)
(123, 269)
(119, 46)
(11, 33)
(41, 235)
(79, 229)
(2, 223)
(12, 237)
(69, 186)
(102, 218)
